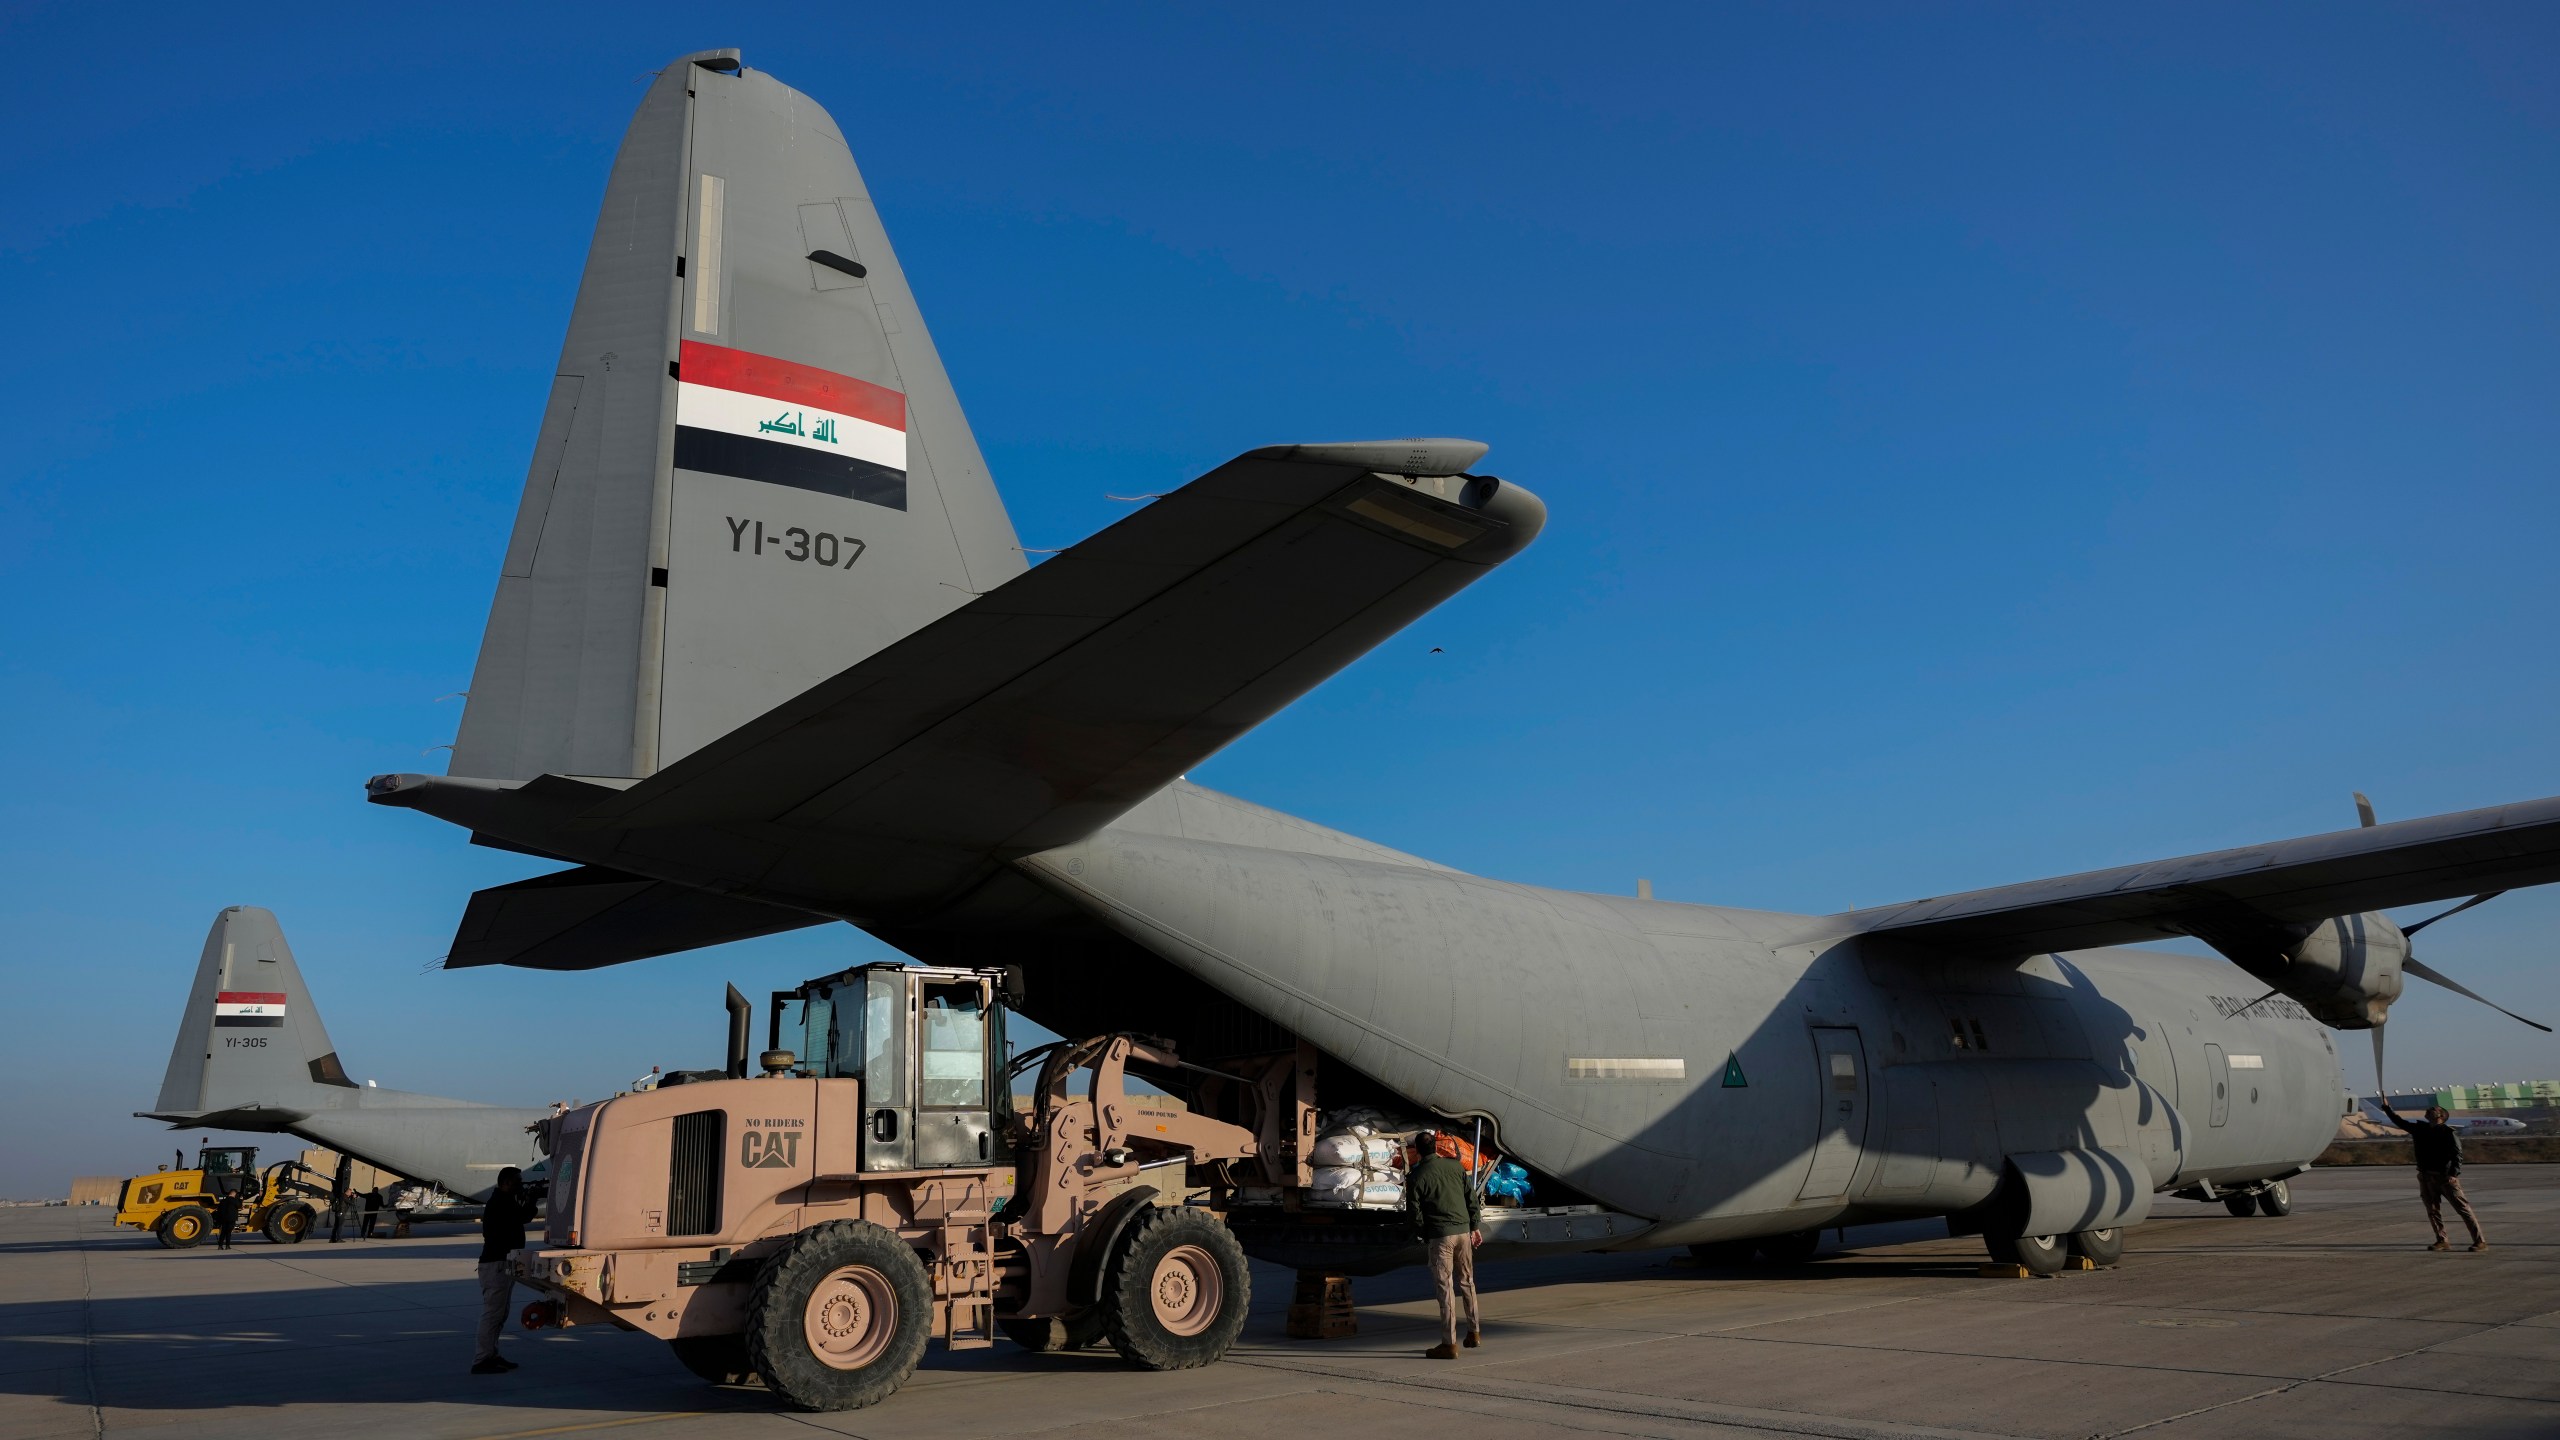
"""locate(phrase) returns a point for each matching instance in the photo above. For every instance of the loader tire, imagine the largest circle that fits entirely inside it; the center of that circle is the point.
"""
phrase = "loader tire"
(185, 1227)
(839, 1317)
(288, 1224)
(1058, 1332)
(1176, 1291)
(720, 1359)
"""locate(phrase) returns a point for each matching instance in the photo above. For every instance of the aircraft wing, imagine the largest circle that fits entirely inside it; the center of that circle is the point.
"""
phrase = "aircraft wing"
(583, 918)
(2255, 895)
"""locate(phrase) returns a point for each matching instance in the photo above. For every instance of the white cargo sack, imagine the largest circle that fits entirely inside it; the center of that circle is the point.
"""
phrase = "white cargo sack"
(1339, 1150)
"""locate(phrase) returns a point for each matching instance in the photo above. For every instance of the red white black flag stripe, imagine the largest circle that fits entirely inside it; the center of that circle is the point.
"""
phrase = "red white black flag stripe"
(759, 418)
(248, 1009)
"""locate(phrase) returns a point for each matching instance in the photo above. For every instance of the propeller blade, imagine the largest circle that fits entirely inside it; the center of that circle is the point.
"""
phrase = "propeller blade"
(2456, 910)
(2381, 1092)
(2364, 811)
(2424, 971)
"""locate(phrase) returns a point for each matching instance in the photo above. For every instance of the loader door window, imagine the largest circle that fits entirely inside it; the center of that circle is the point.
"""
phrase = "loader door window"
(955, 1125)
(955, 1048)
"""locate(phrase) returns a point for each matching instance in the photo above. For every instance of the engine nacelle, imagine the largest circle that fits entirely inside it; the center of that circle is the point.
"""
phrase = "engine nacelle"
(2346, 971)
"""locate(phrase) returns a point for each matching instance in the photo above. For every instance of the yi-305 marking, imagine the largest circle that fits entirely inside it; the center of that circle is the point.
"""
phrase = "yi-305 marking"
(794, 543)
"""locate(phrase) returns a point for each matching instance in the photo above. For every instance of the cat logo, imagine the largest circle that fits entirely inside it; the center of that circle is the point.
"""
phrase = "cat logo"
(769, 1149)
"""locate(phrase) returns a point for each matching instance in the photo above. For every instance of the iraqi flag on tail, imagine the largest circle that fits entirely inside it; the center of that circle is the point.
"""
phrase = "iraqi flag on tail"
(759, 418)
(248, 1009)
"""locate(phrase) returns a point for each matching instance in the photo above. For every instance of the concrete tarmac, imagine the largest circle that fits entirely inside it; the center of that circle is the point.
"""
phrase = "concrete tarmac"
(2332, 1322)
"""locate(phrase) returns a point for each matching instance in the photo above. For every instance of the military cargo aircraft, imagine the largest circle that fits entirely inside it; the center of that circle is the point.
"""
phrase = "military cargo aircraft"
(251, 1054)
(765, 654)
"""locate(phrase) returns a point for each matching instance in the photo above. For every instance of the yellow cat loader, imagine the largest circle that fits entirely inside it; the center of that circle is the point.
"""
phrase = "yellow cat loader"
(176, 1206)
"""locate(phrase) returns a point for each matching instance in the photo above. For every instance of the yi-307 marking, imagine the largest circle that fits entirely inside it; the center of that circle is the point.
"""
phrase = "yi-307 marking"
(794, 543)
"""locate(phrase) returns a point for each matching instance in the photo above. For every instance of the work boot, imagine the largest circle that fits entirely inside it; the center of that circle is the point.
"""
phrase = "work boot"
(1476, 1337)
(491, 1366)
(1442, 1351)
(2439, 1245)
(2479, 1245)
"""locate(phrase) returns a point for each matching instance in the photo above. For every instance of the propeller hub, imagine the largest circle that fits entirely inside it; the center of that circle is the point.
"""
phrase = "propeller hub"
(2347, 971)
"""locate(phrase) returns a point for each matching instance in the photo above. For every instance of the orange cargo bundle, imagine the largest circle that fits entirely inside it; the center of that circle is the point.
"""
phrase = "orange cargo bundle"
(1456, 1148)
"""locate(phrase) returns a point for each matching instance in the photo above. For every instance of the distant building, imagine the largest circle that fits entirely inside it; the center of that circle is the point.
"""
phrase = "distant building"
(2514, 1095)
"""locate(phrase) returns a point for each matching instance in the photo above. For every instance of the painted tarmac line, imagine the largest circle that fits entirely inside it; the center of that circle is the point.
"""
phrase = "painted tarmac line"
(586, 1425)
(1572, 1398)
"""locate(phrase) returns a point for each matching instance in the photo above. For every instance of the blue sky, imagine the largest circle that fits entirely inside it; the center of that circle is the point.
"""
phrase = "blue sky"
(1982, 443)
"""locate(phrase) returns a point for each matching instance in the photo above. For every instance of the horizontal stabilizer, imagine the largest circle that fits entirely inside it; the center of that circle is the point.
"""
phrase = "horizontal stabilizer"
(583, 918)
(1047, 707)
(2268, 893)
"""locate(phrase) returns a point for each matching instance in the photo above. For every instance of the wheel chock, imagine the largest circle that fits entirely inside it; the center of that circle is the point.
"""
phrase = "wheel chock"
(2080, 1262)
(1996, 1271)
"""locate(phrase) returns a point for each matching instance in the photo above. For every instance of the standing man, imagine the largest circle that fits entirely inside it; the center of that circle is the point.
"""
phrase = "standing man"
(1449, 1218)
(502, 1234)
(226, 1214)
(372, 1207)
(2439, 1171)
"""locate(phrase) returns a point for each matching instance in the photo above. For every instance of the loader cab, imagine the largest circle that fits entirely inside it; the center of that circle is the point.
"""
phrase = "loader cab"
(928, 1045)
(228, 1169)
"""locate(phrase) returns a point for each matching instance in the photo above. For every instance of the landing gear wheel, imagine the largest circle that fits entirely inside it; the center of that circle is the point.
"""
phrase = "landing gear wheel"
(1725, 1254)
(184, 1228)
(1793, 1248)
(287, 1224)
(839, 1317)
(2098, 1247)
(720, 1359)
(1176, 1294)
(2276, 1199)
(2241, 1205)
(2040, 1254)
(1072, 1332)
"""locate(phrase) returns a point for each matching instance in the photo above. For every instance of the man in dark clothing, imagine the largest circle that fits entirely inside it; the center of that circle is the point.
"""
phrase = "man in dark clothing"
(2439, 1156)
(1450, 1220)
(226, 1215)
(372, 1207)
(502, 1234)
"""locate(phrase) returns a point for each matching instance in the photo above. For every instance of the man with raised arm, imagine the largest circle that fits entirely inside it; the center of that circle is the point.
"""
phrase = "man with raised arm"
(2439, 1171)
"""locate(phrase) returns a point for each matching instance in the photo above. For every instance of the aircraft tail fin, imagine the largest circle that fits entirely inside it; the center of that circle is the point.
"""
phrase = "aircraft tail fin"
(251, 1042)
(753, 472)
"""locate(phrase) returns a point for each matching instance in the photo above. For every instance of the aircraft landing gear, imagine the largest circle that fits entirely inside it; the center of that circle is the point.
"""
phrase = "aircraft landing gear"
(2270, 1198)
(2039, 1254)
(1796, 1247)
(2098, 1247)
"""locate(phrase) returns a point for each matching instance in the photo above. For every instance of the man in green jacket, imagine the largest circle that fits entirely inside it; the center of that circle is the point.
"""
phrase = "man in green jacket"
(1449, 1218)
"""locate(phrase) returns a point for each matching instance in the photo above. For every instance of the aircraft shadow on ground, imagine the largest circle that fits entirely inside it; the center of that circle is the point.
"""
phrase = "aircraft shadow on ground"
(389, 1344)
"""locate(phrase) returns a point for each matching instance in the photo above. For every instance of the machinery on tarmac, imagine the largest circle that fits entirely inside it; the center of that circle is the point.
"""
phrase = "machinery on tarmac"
(176, 1206)
(816, 1226)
